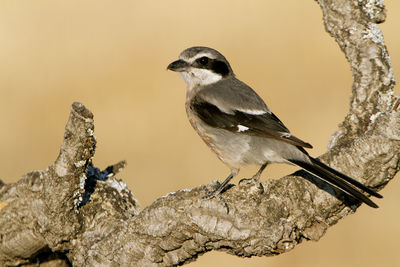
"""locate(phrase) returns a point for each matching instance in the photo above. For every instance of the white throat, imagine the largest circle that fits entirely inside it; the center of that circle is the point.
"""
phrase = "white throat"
(199, 77)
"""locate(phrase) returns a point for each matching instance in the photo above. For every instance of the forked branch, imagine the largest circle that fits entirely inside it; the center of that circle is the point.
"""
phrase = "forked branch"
(73, 212)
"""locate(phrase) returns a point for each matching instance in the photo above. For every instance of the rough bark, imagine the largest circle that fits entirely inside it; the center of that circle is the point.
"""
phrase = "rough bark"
(71, 213)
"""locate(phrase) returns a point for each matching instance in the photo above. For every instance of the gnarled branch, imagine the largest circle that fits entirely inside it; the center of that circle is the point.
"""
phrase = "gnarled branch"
(91, 217)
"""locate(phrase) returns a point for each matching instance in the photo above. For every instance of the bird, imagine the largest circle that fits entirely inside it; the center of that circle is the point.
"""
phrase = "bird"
(240, 129)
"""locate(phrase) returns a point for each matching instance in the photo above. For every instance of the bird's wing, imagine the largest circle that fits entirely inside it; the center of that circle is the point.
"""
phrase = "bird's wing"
(262, 123)
(232, 94)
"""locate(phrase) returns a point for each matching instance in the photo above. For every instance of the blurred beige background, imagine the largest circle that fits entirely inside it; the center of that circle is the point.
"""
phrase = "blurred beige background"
(112, 56)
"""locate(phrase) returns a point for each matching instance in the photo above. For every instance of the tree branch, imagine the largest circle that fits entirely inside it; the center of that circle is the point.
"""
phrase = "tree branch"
(73, 209)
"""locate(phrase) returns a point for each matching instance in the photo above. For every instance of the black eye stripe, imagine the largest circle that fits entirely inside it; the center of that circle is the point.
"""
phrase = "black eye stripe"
(220, 67)
(214, 65)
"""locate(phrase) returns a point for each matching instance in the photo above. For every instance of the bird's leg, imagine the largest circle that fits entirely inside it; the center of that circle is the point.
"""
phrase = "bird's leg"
(221, 187)
(258, 174)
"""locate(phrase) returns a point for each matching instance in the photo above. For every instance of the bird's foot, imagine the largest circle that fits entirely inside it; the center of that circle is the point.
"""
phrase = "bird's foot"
(255, 178)
(215, 193)
(247, 180)
(251, 185)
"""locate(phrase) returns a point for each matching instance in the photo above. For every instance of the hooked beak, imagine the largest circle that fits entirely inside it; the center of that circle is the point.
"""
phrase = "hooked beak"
(178, 65)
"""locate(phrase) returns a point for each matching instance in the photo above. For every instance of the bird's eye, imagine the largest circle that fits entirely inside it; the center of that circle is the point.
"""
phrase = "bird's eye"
(203, 60)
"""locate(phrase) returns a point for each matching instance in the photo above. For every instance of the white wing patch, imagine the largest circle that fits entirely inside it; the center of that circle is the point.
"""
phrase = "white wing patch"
(242, 128)
(253, 111)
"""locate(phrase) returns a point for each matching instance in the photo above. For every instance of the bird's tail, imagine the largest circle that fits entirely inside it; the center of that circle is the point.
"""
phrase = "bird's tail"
(338, 179)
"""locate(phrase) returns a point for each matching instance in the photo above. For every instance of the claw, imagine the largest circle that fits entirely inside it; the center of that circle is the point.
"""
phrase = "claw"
(215, 193)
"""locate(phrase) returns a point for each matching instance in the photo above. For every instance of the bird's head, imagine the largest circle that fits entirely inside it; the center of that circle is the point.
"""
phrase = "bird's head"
(200, 66)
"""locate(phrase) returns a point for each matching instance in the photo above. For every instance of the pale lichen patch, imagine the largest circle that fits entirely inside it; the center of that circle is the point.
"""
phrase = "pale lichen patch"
(61, 170)
(237, 234)
(374, 116)
(186, 190)
(90, 131)
(118, 185)
(82, 179)
(374, 33)
(80, 163)
(373, 8)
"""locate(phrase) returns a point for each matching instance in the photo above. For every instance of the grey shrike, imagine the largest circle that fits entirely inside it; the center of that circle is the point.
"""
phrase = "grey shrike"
(238, 126)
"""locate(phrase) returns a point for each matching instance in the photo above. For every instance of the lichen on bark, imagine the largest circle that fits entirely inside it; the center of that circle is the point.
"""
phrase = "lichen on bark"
(55, 216)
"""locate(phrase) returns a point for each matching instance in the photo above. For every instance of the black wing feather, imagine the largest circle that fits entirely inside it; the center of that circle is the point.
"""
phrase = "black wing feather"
(266, 125)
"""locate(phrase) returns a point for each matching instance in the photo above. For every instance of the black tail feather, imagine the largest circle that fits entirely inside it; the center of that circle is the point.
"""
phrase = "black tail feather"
(347, 178)
(338, 179)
